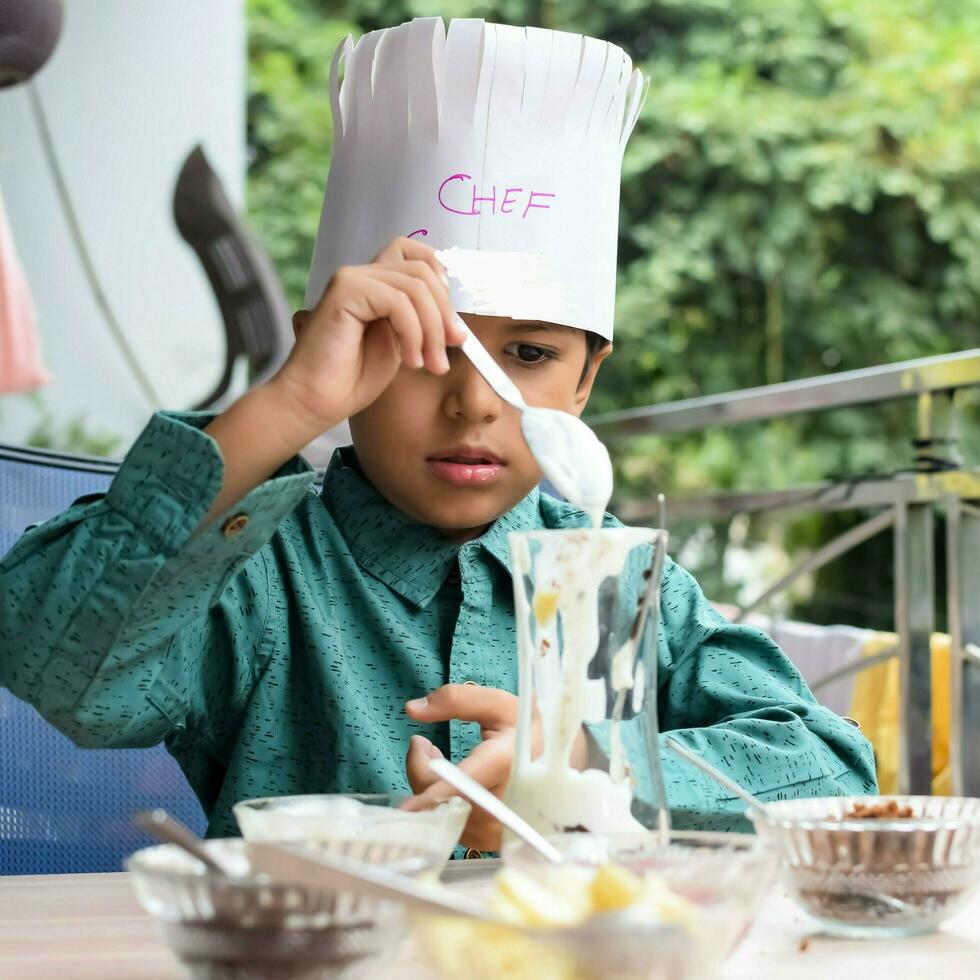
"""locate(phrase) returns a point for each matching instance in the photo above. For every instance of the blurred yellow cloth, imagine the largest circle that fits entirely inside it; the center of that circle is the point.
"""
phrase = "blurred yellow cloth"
(875, 706)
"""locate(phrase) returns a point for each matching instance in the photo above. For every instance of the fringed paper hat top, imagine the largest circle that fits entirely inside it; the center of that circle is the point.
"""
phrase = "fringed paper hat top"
(488, 138)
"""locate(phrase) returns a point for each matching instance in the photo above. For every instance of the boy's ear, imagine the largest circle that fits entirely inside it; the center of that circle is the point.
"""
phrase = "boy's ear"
(585, 385)
(300, 318)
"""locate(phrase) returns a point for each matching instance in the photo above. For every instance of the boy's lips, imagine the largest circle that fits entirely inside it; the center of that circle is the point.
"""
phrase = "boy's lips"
(466, 466)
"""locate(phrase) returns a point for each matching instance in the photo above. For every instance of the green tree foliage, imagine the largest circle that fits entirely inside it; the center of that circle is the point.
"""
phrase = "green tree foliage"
(802, 194)
(289, 129)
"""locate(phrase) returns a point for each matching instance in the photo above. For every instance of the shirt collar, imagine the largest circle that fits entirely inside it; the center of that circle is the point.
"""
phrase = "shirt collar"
(411, 558)
(523, 516)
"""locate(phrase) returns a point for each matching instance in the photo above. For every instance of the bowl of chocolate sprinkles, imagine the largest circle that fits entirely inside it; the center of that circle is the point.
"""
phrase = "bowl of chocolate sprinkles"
(243, 926)
(875, 867)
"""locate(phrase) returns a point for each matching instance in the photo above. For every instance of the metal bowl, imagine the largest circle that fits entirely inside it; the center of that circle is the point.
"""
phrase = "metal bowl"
(872, 878)
(319, 818)
(246, 928)
(724, 875)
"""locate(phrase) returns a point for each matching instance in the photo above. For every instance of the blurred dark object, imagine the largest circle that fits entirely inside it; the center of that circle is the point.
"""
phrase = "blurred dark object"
(249, 293)
(29, 31)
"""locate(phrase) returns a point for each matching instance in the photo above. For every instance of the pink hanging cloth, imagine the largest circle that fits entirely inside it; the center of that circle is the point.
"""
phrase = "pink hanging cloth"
(20, 354)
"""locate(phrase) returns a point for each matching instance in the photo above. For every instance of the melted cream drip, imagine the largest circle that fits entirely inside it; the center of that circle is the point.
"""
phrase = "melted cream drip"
(572, 458)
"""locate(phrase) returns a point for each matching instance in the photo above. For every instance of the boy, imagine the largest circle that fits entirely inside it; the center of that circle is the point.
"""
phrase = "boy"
(281, 641)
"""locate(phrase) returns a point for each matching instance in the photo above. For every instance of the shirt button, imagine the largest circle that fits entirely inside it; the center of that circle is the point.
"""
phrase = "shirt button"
(472, 854)
(234, 525)
(453, 578)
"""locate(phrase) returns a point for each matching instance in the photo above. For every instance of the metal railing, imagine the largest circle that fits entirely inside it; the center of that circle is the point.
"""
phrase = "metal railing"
(905, 503)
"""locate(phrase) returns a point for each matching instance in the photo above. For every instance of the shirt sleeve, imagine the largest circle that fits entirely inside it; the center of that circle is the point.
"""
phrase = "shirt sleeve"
(729, 694)
(120, 620)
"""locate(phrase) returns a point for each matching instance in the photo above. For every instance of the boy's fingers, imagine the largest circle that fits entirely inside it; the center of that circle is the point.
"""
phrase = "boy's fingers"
(424, 288)
(431, 317)
(411, 251)
(401, 248)
(408, 249)
(423, 271)
(489, 764)
(393, 305)
(489, 707)
(420, 752)
(455, 335)
(451, 334)
(366, 297)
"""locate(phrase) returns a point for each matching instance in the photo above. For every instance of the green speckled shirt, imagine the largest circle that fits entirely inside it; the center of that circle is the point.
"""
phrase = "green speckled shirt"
(278, 659)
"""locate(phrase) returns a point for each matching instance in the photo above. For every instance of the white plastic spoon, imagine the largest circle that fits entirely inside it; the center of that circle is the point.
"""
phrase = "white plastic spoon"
(567, 450)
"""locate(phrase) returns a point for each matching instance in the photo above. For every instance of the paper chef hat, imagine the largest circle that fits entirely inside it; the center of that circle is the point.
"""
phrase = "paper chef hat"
(486, 137)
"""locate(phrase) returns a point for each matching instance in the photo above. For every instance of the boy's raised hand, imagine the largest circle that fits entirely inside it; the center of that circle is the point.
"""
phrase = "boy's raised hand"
(371, 320)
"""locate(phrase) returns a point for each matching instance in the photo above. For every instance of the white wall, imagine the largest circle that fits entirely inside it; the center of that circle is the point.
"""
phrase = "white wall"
(133, 85)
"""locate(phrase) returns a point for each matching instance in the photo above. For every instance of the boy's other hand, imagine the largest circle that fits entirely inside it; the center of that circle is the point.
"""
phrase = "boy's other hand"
(371, 320)
(495, 711)
(489, 764)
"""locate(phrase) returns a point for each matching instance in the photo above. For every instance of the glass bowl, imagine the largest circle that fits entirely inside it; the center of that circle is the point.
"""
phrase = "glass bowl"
(246, 928)
(325, 817)
(724, 876)
(878, 877)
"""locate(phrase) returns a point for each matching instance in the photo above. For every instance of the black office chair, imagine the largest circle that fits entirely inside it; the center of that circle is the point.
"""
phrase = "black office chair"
(250, 296)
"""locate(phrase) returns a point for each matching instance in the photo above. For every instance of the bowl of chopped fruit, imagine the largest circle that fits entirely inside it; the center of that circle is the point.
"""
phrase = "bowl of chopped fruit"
(870, 867)
(619, 907)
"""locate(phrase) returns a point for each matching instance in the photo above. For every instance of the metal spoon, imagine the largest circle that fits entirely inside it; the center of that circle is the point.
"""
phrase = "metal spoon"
(497, 809)
(323, 871)
(159, 824)
(753, 803)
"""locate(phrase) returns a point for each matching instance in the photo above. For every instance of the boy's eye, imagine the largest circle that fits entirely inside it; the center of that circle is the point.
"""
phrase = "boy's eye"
(529, 353)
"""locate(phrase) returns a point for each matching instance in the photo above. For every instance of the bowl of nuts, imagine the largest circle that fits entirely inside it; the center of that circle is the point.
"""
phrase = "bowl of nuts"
(869, 867)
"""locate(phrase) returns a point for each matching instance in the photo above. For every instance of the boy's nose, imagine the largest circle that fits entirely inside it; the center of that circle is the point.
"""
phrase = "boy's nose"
(468, 396)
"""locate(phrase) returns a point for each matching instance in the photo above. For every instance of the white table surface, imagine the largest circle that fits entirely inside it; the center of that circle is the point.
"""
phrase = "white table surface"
(89, 927)
(785, 942)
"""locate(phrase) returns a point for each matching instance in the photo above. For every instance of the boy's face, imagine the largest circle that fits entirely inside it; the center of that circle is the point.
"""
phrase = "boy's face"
(445, 450)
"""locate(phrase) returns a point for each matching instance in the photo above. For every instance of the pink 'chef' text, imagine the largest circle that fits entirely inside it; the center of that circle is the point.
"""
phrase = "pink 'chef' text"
(459, 194)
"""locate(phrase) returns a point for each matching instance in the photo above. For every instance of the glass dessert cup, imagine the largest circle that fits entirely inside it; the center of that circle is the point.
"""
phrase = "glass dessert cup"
(587, 615)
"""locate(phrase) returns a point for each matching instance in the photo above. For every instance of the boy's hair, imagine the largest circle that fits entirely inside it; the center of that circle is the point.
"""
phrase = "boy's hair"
(593, 344)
